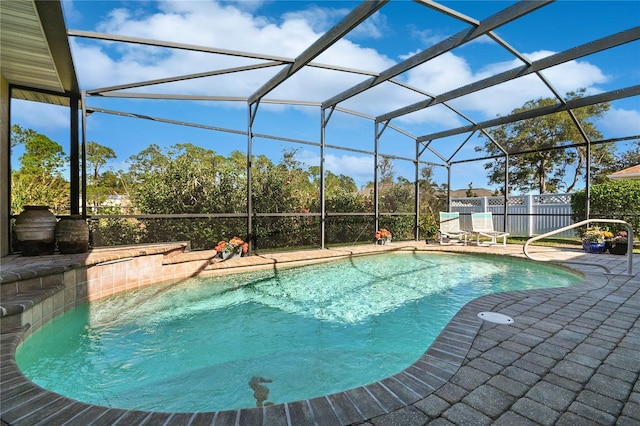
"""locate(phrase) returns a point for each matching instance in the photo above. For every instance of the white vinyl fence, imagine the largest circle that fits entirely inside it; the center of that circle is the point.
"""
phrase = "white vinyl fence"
(527, 215)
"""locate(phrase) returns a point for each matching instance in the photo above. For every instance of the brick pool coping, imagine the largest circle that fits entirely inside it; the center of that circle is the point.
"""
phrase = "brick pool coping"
(545, 368)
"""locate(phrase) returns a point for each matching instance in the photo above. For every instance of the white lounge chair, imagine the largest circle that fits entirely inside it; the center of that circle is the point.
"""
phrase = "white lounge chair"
(482, 225)
(450, 228)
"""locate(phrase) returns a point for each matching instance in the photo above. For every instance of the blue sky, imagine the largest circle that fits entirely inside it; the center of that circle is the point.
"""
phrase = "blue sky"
(285, 28)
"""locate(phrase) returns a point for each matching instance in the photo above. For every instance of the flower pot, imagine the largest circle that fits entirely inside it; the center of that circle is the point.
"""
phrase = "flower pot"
(593, 247)
(72, 234)
(230, 255)
(619, 249)
(35, 231)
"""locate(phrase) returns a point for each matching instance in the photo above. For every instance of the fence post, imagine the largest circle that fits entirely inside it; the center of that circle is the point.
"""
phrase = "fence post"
(484, 204)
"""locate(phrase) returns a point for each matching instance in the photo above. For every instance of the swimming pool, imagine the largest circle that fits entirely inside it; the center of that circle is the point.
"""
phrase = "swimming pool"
(265, 337)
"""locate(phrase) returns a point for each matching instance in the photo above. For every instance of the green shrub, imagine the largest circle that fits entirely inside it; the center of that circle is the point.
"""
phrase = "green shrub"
(429, 227)
(610, 200)
(401, 227)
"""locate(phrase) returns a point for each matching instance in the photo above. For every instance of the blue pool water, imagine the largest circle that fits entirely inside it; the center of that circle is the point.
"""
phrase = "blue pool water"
(243, 340)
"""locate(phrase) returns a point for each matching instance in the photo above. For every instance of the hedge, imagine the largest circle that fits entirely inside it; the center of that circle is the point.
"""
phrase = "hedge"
(610, 200)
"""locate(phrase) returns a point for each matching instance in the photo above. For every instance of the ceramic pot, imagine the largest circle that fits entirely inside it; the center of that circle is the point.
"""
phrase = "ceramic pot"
(593, 247)
(72, 234)
(619, 249)
(230, 255)
(35, 231)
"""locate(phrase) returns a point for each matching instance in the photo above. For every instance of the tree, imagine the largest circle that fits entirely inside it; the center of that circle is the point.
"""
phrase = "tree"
(339, 184)
(39, 180)
(548, 167)
(397, 197)
(630, 158)
(334, 184)
(97, 156)
(36, 190)
(470, 192)
(187, 179)
(19, 136)
(432, 198)
(99, 187)
(42, 156)
(146, 162)
(385, 167)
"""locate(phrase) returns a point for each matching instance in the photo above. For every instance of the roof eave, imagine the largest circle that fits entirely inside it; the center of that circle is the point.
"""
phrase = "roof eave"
(55, 29)
(626, 176)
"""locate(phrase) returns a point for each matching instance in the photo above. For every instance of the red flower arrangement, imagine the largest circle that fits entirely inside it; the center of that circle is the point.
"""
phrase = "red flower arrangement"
(235, 245)
(383, 235)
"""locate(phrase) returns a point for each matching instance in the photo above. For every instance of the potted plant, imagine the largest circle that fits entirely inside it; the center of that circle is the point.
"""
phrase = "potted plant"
(235, 247)
(618, 244)
(593, 240)
(383, 236)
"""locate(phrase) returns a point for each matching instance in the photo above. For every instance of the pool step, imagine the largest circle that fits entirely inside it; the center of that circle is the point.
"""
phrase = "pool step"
(19, 297)
(36, 289)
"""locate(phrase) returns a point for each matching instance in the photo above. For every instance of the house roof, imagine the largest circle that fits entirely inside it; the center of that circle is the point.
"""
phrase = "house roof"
(630, 173)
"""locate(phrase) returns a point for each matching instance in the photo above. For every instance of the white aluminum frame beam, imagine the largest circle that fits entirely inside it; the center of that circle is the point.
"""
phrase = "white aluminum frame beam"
(336, 33)
(572, 104)
(586, 49)
(501, 18)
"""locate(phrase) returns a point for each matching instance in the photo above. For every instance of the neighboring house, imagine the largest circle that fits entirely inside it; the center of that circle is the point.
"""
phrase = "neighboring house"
(631, 173)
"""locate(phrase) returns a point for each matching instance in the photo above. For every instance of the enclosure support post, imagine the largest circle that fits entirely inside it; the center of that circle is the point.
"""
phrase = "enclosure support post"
(506, 193)
(83, 105)
(376, 209)
(587, 188)
(253, 109)
(448, 187)
(416, 223)
(323, 211)
(74, 157)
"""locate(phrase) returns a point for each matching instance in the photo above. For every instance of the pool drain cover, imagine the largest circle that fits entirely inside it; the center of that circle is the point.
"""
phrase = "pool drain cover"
(495, 317)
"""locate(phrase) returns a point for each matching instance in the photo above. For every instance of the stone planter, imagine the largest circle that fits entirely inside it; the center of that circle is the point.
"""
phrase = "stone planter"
(35, 231)
(72, 234)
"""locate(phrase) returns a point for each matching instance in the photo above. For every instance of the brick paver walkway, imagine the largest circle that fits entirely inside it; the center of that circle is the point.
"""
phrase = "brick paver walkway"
(571, 357)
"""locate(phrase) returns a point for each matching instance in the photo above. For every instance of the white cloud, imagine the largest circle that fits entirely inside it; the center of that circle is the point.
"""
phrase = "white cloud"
(360, 168)
(41, 117)
(620, 123)
(440, 74)
(318, 18)
(246, 5)
(449, 71)
(426, 36)
(374, 27)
